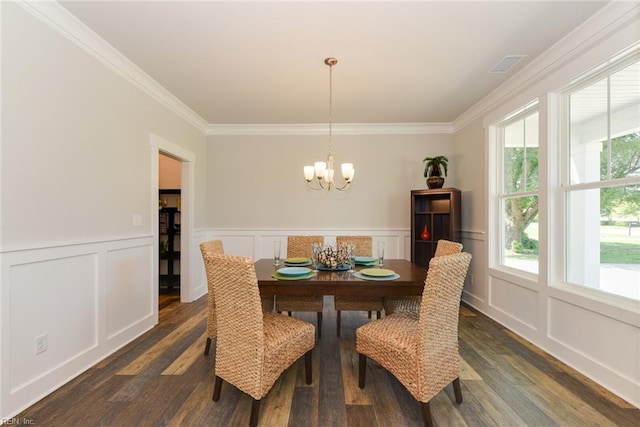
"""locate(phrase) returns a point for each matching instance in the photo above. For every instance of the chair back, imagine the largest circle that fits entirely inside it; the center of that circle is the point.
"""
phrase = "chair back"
(438, 321)
(300, 246)
(447, 247)
(240, 341)
(364, 244)
(213, 247)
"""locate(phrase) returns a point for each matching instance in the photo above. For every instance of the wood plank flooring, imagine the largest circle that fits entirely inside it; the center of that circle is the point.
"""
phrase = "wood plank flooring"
(163, 379)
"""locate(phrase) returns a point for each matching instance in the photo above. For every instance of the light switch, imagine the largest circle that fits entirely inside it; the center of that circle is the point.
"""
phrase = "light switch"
(137, 220)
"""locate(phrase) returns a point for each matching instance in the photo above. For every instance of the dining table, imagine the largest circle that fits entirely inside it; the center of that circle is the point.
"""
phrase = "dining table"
(408, 280)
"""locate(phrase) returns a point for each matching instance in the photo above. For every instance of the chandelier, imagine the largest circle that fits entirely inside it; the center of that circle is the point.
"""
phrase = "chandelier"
(324, 171)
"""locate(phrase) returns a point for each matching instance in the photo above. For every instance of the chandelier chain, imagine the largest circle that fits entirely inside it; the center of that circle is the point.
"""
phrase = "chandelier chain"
(330, 106)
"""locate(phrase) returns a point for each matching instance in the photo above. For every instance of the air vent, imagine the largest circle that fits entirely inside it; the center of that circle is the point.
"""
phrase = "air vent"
(506, 63)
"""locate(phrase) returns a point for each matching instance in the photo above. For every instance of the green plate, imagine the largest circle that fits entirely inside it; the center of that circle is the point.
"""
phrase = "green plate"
(297, 260)
(279, 276)
(377, 272)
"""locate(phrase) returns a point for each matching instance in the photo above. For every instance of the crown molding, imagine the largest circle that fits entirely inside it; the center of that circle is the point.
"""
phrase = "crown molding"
(61, 20)
(65, 23)
(601, 25)
(338, 129)
(608, 20)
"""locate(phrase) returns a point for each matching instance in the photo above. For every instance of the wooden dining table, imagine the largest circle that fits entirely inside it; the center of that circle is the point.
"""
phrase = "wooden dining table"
(344, 283)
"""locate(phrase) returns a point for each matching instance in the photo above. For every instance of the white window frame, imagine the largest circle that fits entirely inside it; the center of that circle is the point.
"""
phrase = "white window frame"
(498, 195)
(564, 172)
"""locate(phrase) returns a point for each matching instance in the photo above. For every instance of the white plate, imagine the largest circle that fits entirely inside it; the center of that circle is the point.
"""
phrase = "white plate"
(294, 271)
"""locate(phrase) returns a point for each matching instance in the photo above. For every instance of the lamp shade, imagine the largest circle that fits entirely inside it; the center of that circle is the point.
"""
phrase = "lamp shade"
(308, 173)
(320, 168)
(347, 171)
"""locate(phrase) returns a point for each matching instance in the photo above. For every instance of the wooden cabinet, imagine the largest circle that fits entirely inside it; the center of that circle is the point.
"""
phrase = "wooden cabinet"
(169, 230)
(439, 211)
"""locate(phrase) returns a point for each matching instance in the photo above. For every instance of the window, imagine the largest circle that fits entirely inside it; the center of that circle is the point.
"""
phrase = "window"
(517, 191)
(602, 182)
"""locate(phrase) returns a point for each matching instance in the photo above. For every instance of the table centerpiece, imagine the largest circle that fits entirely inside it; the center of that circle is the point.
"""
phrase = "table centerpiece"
(333, 257)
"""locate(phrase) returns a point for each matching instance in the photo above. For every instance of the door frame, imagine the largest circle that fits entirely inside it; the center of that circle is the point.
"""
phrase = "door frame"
(187, 159)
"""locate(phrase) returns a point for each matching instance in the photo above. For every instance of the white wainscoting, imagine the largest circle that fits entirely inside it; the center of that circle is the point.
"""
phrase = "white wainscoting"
(258, 244)
(475, 290)
(89, 299)
(565, 327)
(604, 347)
(520, 303)
(599, 339)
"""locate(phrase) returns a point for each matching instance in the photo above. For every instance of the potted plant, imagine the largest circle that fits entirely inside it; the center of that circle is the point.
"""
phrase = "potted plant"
(434, 170)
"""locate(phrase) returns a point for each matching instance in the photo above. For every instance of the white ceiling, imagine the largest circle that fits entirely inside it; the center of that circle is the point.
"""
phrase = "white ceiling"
(236, 62)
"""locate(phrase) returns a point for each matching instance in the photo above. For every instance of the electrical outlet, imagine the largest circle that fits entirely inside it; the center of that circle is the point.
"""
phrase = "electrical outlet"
(137, 220)
(41, 343)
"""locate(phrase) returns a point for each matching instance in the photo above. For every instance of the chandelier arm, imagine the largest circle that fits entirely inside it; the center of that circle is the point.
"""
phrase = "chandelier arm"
(328, 186)
(322, 187)
(344, 187)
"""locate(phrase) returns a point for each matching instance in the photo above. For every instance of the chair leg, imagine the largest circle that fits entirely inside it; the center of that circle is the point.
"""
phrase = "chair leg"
(379, 314)
(426, 414)
(362, 369)
(308, 365)
(255, 411)
(216, 389)
(338, 323)
(369, 314)
(456, 390)
(207, 347)
(319, 324)
(290, 313)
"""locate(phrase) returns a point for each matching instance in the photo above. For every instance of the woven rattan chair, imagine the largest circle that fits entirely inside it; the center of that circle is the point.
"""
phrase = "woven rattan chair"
(422, 353)
(253, 347)
(213, 247)
(412, 304)
(216, 247)
(363, 248)
(300, 246)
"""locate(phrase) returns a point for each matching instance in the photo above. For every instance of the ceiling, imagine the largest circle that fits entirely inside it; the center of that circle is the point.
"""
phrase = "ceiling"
(262, 62)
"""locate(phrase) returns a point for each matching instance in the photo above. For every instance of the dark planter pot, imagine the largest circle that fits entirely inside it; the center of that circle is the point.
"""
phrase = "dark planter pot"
(435, 182)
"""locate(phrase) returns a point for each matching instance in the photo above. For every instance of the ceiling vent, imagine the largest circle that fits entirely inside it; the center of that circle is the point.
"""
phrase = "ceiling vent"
(506, 63)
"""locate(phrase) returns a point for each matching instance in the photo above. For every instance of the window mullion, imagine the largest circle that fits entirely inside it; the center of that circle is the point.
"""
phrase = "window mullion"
(609, 150)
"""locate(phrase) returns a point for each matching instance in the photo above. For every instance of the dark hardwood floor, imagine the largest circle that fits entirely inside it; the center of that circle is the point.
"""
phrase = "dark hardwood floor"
(163, 379)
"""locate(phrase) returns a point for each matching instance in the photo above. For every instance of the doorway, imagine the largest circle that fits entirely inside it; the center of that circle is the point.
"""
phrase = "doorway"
(185, 158)
(169, 227)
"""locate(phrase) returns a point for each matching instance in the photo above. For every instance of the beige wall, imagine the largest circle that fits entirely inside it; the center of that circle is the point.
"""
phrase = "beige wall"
(169, 173)
(470, 150)
(257, 181)
(78, 209)
(75, 141)
(471, 175)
